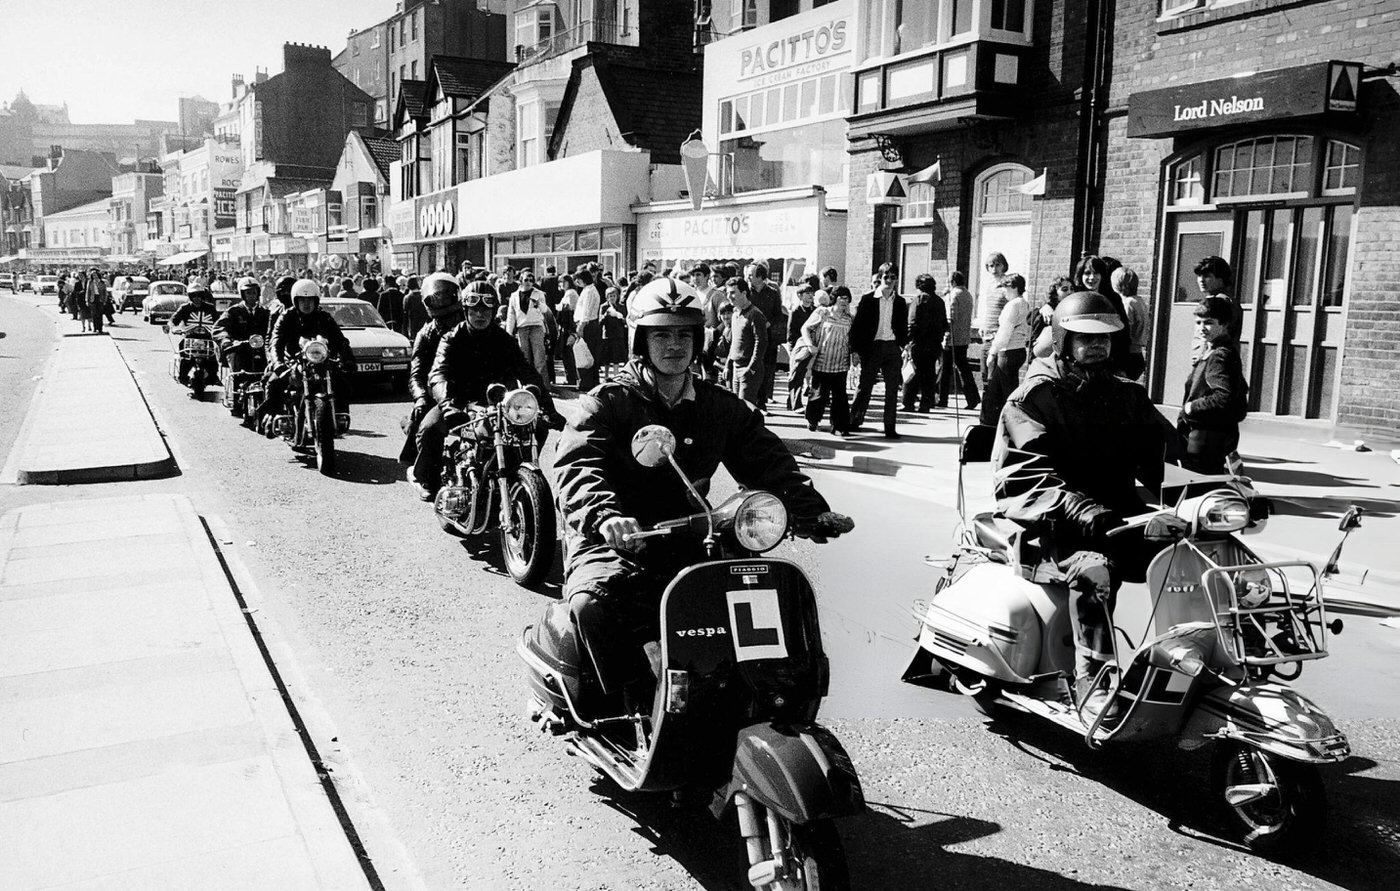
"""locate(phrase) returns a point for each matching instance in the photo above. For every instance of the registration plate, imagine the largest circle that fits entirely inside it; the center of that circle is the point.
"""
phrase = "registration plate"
(395, 366)
(369, 366)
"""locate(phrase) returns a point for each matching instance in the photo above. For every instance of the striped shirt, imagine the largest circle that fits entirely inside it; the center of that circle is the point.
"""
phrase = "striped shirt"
(832, 335)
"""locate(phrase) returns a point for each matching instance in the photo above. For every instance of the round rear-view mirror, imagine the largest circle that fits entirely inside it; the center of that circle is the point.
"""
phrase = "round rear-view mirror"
(652, 445)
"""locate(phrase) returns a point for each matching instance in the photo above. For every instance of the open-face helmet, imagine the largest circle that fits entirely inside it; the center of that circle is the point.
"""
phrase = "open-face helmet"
(664, 303)
(1083, 312)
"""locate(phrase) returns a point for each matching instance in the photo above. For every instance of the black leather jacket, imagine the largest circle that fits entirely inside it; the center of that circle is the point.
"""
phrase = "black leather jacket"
(240, 323)
(598, 478)
(420, 363)
(292, 326)
(468, 362)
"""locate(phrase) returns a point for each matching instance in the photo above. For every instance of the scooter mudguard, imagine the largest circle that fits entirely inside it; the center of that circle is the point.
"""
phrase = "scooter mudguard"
(1271, 717)
(800, 771)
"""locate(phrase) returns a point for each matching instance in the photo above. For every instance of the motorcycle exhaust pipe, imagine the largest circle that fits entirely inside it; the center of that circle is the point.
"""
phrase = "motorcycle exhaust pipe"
(453, 502)
(282, 424)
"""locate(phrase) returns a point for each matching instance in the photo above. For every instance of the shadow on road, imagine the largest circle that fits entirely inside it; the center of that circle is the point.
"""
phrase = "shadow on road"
(1283, 476)
(1333, 506)
(359, 467)
(890, 847)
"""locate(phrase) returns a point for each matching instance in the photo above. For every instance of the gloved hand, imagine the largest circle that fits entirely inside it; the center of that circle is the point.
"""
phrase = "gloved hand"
(420, 408)
(1099, 521)
(825, 526)
(1166, 527)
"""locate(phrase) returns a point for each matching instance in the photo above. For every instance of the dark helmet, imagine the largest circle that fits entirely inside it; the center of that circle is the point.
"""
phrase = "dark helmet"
(198, 293)
(664, 303)
(481, 292)
(284, 288)
(1083, 312)
(441, 296)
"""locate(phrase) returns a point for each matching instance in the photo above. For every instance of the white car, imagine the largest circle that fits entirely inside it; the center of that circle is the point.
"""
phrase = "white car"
(161, 301)
(130, 292)
(46, 284)
(380, 353)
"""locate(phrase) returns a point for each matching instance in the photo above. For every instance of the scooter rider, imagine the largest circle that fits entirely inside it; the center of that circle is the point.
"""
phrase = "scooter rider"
(306, 320)
(194, 319)
(442, 298)
(1071, 441)
(470, 358)
(613, 585)
(240, 322)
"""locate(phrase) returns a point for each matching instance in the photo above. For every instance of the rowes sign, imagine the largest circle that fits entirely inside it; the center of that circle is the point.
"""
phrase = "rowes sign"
(1325, 88)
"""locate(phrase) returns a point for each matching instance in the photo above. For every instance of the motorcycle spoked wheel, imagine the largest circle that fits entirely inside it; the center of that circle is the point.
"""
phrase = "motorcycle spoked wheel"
(528, 552)
(1291, 814)
(815, 852)
(325, 438)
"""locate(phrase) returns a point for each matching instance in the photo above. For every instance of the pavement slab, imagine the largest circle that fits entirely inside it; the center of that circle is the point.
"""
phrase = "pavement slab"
(88, 422)
(143, 740)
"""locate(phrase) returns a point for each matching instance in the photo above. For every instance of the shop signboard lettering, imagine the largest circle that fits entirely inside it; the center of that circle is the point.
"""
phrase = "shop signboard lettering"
(223, 208)
(795, 48)
(1323, 88)
(731, 230)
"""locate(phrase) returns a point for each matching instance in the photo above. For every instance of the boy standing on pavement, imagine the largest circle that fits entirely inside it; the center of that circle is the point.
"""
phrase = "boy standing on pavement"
(955, 344)
(748, 344)
(1216, 395)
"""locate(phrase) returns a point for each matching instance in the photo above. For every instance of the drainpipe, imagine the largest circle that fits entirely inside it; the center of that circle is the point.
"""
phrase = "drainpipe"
(1093, 134)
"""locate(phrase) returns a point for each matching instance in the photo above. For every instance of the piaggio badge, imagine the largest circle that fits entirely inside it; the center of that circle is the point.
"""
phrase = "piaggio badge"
(757, 569)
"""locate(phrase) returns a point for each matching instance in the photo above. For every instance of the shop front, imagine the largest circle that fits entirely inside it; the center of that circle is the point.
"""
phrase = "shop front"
(792, 232)
(1265, 171)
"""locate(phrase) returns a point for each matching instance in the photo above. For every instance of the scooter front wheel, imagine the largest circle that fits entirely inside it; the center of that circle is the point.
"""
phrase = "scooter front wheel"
(1272, 803)
(815, 859)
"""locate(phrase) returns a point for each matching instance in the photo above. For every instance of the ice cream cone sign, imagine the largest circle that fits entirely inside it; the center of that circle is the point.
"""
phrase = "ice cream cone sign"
(695, 162)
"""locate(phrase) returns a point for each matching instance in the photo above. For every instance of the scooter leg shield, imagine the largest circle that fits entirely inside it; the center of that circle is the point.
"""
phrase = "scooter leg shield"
(1273, 717)
(554, 642)
(799, 771)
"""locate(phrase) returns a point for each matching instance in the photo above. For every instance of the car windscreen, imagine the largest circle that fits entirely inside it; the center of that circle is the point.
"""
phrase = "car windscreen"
(355, 315)
(166, 288)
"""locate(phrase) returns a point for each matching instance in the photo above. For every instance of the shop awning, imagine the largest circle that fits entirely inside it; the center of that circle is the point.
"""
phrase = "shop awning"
(9, 258)
(181, 258)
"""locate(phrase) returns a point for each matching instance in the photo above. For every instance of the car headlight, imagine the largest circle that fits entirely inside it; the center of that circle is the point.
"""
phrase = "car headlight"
(521, 407)
(316, 352)
(394, 352)
(760, 522)
(1253, 588)
(1222, 512)
(256, 341)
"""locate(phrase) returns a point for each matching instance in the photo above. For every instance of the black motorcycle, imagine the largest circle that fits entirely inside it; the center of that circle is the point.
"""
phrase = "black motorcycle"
(740, 677)
(243, 390)
(491, 476)
(309, 422)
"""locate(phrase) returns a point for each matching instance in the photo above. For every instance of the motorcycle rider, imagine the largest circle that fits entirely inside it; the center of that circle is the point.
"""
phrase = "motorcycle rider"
(470, 358)
(305, 320)
(240, 322)
(194, 319)
(1070, 442)
(283, 293)
(442, 298)
(613, 586)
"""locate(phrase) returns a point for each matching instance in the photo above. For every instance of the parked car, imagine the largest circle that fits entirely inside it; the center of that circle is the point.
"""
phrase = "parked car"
(46, 284)
(380, 354)
(8, 281)
(161, 301)
(130, 292)
(26, 282)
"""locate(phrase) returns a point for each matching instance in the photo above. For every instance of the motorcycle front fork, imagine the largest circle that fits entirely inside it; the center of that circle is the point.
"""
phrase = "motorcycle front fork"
(765, 840)
(503, 481)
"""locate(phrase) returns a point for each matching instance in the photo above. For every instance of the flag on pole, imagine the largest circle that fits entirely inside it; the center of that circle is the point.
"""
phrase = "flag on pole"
(931, 174)
(1035, 186)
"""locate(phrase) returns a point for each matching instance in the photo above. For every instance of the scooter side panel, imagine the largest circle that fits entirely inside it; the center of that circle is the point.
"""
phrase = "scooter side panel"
(992, 617)
(1273, 717)
(801, 771)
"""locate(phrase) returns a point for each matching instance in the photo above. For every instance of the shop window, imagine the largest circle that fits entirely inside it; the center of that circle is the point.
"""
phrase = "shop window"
(588, 240)
(920, 203)
(811, 154)
(612, 238)
(1187, 186)
(1271, 166)
(1342, 168)
(564, 241)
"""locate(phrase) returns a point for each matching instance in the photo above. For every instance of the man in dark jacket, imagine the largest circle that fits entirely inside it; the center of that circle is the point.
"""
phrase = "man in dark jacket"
(613, 584)
(307, 321)
(928, 323)
(390, 303)
(415, 314)
(878, 335)
(1072, 442)
(442, 298)
(768, 301)
(240, 322)
(1216, 394)
(470, 358)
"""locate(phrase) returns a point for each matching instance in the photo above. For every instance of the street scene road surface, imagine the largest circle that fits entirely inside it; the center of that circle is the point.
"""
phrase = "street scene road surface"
(400, 640)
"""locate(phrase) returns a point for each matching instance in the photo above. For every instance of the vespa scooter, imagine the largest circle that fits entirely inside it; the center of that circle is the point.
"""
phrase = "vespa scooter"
(1204, 649)
(741, 675)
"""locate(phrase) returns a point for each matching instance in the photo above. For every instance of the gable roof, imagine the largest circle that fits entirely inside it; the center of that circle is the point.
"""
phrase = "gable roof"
(412, 102)
(382, 151)
(655, 108)
(462, 78)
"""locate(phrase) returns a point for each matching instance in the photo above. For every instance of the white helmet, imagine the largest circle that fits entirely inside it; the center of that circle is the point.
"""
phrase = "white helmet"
(305, 287)
(248, 283)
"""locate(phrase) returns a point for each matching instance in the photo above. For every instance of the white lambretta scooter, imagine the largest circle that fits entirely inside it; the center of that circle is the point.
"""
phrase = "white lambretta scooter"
(1201, 648)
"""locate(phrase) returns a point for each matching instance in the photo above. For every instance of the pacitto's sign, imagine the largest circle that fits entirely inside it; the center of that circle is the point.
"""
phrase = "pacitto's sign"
(1324, 88)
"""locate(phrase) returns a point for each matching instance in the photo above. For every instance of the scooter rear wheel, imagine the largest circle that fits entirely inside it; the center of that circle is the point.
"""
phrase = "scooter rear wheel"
(1288, 806)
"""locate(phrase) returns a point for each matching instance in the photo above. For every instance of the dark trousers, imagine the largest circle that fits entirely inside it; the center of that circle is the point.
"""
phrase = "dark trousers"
(1204, 449)
(829, 387)
(95, 310)
(592, 334)
(797, 379)
(955, 364)
(770, 377)
(883, 360)
(1003, 369)
(921, 390)
(566, 355)
(427, 464)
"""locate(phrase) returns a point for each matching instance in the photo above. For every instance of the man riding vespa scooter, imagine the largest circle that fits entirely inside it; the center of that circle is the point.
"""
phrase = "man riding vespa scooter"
(1071, 441)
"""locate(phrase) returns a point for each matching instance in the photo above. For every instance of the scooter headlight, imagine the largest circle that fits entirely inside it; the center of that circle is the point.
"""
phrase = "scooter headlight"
(1253, 588)
(316, 352)
(1222, 512)
(256, 341)
(760, 522)
(521, 407)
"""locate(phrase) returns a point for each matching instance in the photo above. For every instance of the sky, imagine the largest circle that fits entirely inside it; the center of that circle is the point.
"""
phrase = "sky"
(116, 61)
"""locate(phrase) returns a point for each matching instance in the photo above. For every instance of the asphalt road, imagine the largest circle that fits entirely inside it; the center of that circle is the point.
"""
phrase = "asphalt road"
(405, 646)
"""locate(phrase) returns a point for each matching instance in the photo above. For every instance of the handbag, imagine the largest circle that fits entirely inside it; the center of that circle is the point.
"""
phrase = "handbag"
(800, 352)
(583, 356)
(907, 372)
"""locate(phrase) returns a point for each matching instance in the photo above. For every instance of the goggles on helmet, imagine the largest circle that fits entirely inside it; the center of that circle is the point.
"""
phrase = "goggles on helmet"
(470, 300)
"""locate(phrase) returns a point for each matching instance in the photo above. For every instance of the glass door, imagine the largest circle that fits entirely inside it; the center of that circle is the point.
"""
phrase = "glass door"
(1190, 239)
